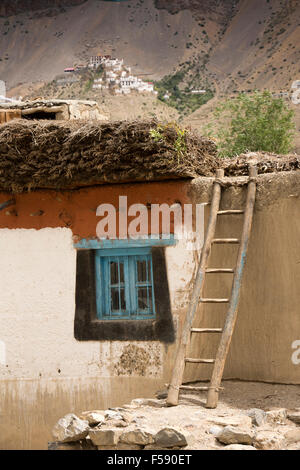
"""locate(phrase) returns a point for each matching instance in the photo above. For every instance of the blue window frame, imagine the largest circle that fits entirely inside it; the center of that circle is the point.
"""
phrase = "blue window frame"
(124, 284)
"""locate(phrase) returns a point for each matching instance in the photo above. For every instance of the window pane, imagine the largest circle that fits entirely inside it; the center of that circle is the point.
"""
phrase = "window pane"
(115, 305)
(125, 286)
(149, 272)
(123, 301)
(143, 299)
(150, 299)
(142, 271)
(114, 273)
(121, 267)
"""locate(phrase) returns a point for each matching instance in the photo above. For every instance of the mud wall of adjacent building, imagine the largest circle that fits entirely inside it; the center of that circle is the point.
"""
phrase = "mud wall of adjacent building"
(267, 333)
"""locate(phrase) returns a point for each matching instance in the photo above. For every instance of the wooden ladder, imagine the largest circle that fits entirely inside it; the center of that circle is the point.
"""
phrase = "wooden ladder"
(227, 331)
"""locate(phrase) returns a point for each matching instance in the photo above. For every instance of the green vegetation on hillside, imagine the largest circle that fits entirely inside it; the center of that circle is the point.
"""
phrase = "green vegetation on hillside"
(180, 93)
(253, 122)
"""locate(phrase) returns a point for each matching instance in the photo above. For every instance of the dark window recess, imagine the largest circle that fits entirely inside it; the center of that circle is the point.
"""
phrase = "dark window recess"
(40, 115)
(123, 296)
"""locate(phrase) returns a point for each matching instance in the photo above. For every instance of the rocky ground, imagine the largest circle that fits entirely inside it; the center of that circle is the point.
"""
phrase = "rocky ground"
(250, 416)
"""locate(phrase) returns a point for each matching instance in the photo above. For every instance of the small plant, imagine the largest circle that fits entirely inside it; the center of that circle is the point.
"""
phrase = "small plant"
(88, 85)
(180, 143)
(158, 135)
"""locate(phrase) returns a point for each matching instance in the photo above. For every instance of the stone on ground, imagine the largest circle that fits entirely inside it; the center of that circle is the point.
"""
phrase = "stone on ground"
(277, 416)
(105, 437)
(292, 436)
(85, 444)
(171, 437)
(238, 447)
(233, 435)
(239, 421)
(70, 428)
(112, 414)
(93, 417)
(215, 430)
(294, 416)
(268, 440)
(138, 436)
(259, 417)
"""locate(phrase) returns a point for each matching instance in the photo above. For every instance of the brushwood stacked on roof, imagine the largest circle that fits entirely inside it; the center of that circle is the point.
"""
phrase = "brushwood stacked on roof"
(70, 154)
(266, 163)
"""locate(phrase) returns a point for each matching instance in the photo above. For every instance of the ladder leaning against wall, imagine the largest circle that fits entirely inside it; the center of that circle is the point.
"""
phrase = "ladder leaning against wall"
(226, 333)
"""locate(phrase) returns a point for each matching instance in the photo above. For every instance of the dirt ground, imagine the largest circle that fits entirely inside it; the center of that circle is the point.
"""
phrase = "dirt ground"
(235, 400)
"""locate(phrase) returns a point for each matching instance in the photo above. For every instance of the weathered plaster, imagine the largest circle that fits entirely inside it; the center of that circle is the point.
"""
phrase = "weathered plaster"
(29, 408)
(37, 304)
(46, 372)
(269, 314)
(76, 209)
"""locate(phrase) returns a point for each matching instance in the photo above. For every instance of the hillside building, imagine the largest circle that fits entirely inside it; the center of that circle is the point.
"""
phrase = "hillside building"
(198, 92)
(118, 76)
(2, 92)
(95, 61)
(56, 110)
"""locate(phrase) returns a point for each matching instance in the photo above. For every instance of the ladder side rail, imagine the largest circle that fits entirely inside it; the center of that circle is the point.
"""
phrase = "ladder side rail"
(179, 366)
(213, 393)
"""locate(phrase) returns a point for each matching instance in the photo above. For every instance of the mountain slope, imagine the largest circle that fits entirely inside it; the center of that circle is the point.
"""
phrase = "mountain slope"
(236, 44)
(224, 46)
(35, 46)
(260, 48)
(14, 7)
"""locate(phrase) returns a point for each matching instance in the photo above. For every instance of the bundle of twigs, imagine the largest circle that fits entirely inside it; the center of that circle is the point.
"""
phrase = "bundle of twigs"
(69, 154)
(266, 163)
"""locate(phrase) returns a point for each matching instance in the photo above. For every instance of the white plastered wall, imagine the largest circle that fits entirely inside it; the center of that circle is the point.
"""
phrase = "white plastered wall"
(44, 371)
(37, 307)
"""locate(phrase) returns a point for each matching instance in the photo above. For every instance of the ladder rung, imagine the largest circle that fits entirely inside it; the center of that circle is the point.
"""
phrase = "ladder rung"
(196, 389)
(201, 361)
(231, 211)
(219, 270)
(206, 330)
(226, 240)
(214, 301)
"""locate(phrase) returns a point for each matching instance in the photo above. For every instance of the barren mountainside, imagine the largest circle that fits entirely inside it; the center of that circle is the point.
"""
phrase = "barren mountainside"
(234, 44)
(223, 46)
(14, 7)
(215, 10)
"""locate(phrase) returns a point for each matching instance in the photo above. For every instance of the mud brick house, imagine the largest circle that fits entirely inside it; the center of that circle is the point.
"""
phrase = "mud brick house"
(88, 323)
(51, 110)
